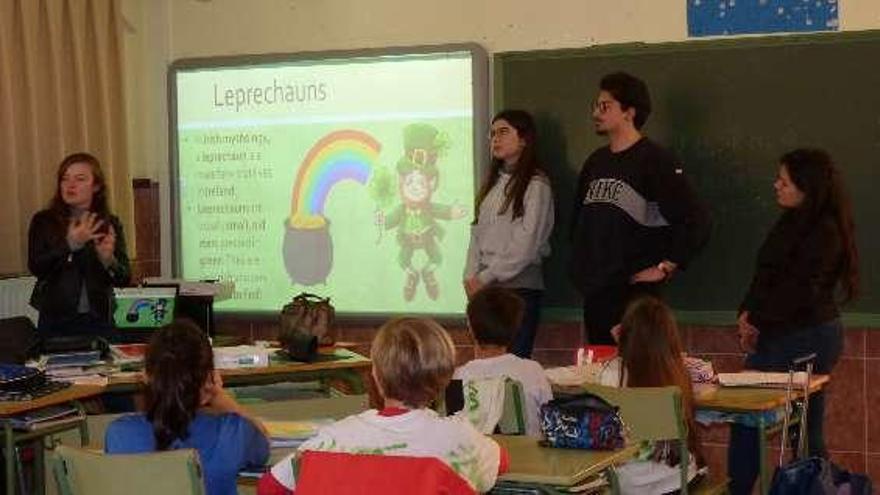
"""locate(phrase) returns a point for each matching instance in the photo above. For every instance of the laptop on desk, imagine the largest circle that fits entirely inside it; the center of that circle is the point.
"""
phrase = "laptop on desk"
(138, 311)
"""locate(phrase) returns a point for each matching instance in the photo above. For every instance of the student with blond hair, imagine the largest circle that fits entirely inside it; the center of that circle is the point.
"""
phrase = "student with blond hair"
(391, 450)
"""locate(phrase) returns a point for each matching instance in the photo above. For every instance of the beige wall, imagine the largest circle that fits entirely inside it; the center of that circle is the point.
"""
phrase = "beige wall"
(160, 31)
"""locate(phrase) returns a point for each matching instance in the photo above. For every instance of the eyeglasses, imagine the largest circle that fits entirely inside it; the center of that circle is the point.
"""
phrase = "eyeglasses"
(602, 106)
(500, 132)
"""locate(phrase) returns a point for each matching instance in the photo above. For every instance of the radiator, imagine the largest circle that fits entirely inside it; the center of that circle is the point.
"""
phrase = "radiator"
(15, 292)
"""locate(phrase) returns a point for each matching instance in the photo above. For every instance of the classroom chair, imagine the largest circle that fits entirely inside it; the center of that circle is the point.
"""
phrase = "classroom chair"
(653, 414)
(84, 472)
(342, 473)
(513, 415)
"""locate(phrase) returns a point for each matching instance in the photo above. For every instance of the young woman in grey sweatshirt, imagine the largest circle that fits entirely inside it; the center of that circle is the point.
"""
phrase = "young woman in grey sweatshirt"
(511, 234)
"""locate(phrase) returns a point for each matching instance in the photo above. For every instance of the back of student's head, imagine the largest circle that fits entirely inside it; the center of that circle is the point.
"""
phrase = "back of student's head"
(494, 314)
(650, 345)
(651, 350)
(179, 362)
(630, 92)
(413, 360)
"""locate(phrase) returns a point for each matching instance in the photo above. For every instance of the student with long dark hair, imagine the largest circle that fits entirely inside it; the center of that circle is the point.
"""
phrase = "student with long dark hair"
(791, 309)
(187, 407)
(514, 219)
(76, 249)
(650, 355)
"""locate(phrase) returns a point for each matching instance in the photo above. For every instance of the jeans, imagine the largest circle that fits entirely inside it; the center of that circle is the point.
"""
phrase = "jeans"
(604, 309)
(775, 353)
(524, 339)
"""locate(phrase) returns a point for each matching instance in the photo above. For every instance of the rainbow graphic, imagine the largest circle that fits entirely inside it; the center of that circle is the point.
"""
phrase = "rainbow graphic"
(338, 156)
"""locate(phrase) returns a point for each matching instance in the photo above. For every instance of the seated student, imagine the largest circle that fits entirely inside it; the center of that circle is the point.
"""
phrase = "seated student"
(494, 314)
(413, 360)
(187, 407)
(650, 355)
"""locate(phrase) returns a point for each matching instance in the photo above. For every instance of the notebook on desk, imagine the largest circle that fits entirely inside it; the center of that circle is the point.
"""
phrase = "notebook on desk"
(761, 379)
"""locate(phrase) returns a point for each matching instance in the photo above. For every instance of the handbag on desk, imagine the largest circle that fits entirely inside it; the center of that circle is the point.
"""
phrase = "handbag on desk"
(307, 314)
(583, 421)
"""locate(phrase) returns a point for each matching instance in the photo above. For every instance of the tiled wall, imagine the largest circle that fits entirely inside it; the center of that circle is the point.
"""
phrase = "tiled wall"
(852, 431)
(146, 255)
(852, 423)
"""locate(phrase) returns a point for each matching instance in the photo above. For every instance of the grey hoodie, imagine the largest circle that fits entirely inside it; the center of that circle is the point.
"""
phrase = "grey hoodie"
(508, 252)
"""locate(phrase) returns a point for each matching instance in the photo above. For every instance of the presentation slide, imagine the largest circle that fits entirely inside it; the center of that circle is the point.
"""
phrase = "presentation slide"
(352, 178)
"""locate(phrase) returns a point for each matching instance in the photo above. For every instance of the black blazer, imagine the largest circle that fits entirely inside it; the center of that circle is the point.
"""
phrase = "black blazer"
(61, 272)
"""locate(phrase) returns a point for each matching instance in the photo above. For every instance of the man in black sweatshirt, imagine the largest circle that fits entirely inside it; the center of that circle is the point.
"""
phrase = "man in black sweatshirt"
(636, 218)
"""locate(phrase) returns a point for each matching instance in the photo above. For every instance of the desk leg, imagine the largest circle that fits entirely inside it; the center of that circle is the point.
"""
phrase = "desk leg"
(83, 426)
(9, 457)
(40, 465)
(763, 472)
(613, 482)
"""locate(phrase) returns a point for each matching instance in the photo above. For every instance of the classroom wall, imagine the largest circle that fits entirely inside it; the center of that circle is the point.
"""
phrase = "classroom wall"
(160, 31)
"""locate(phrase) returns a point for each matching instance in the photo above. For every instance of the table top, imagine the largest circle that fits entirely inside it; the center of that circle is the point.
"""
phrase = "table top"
(332, 359)
(748, 399)
(532, 463)
(74, 392)
(329, 359)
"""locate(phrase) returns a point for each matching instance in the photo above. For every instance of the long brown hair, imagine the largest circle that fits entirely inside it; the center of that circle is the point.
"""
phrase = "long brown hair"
(60, 210)
(179, 362)
(814, 173)
(651, 351)
(526, 167)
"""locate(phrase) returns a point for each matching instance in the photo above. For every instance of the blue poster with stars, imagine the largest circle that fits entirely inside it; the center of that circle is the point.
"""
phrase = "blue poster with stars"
(726, 17)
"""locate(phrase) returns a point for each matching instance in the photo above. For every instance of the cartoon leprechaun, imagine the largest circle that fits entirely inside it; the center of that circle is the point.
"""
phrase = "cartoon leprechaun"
(416, 218)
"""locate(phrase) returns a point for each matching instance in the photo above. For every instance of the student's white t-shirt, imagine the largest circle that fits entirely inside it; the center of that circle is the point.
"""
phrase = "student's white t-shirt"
(417, 433)
(530, 374)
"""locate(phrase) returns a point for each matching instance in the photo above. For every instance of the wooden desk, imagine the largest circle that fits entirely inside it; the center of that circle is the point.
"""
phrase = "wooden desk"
(748, 399)
(334, 366)
(296, 410)
(755, 407)
(532, 463)
(11, 436)
(69, 394)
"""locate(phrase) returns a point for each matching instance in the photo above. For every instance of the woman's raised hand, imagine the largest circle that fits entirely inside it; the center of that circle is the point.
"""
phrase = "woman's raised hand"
(83, 229)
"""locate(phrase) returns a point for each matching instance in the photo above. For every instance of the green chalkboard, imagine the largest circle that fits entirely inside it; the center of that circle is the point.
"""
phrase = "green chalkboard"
(728, 109)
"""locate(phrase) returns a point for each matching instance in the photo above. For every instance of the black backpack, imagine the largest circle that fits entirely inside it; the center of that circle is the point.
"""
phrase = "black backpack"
(18, 339)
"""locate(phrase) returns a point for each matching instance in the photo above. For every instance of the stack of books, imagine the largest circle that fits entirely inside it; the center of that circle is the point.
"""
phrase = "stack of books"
(82, 367)
(46, 417)
(129, 357)
(761, 379)
(23, 383)
(291, 434)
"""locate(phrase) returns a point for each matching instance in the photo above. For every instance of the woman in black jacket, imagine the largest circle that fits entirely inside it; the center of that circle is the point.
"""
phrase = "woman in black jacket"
(76, 249)
(791, 308)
